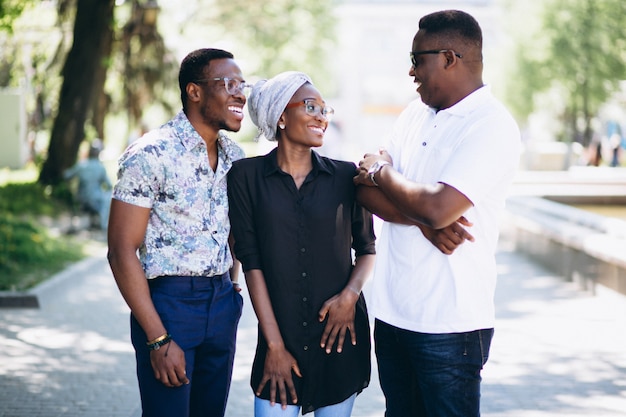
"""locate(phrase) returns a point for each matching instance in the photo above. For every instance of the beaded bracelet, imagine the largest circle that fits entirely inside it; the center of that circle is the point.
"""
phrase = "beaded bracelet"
(159, 341)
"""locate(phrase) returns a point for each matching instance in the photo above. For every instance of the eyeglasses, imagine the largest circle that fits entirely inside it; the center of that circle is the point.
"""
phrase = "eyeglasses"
(430, 51)
(313, 109)
(232, 86)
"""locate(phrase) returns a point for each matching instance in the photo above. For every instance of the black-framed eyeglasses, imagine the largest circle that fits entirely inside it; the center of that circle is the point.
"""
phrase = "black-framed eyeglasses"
(414, 54)
(313, 109)
(232, 86)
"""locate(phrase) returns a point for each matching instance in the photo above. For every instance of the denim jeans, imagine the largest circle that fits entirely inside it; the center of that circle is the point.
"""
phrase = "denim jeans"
(433, 375)
(262, 408)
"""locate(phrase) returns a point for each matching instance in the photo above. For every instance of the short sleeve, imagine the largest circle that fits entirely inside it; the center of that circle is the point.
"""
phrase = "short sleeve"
(136, 179)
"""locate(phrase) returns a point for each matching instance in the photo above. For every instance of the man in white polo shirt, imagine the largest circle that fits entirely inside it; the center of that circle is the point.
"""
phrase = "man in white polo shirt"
(450, 155)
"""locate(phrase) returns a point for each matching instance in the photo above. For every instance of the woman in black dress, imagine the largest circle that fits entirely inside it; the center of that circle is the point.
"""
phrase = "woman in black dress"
(296, 225)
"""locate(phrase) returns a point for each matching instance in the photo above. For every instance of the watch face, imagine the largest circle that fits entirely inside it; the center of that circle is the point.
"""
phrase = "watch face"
(374, 168)
(377, 166)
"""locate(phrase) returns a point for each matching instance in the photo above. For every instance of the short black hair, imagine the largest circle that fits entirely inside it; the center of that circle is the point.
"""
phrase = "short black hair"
(453, 24)
(193, 65)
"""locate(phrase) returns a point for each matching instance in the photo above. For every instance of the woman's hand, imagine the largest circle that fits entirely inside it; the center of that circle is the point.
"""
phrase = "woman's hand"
(278, 366)
(340, 313)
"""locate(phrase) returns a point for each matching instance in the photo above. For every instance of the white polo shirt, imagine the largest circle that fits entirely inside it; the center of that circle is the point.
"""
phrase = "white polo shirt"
(473, 146)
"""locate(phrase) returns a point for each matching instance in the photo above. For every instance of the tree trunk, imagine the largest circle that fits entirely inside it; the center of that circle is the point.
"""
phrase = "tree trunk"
(100, 99)
(93, 29)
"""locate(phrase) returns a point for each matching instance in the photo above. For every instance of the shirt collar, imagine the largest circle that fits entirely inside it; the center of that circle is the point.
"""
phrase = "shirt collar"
(319, 163)
(471, 102)
(187, 134)
(190, 138)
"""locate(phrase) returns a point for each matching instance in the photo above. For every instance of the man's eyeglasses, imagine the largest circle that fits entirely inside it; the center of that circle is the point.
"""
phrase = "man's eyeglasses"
(313, 109)
(414, 54)
(233, 87)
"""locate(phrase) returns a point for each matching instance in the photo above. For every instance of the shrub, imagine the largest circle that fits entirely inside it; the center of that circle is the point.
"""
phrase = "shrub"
(29, 254)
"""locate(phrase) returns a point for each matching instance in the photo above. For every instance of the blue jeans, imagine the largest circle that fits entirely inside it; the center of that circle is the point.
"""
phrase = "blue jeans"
(201, 314)
(262, 408)
(433, 375)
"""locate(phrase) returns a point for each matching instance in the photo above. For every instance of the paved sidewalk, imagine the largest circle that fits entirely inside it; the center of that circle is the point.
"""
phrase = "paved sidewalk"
(557, 351)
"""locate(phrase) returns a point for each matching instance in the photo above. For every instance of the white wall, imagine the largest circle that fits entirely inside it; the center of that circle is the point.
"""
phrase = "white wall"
(13, 146)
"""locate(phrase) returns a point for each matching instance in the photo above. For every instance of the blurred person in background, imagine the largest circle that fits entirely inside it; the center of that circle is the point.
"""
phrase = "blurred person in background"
(94, 185)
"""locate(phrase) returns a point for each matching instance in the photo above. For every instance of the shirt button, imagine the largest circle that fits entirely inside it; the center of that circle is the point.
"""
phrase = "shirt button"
(304, 323)
(302, 250)
(304, 299)
(306, 347)
(304, 275)
(423, 143)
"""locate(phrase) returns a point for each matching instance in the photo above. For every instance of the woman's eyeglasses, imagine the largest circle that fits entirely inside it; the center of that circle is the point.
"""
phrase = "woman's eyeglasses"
(313, 109)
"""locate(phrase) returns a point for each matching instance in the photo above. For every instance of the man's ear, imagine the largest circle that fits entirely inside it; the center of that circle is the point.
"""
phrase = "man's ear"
(193, 91)
(450, 58)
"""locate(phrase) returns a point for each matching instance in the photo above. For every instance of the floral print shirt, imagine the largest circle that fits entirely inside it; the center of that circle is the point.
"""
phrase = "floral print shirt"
(168, 171)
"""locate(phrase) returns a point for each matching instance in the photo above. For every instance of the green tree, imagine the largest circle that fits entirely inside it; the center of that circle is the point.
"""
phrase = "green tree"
(112, 64)
(147, 66)
(82, 81)
(132, 57)
(281, 35)
(11, 10)
(578, 52)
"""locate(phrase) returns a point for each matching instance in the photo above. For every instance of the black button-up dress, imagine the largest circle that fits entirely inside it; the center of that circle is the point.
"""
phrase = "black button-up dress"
(302, 240)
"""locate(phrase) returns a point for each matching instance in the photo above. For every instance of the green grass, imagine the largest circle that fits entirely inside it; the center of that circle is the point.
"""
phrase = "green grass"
(29, 252)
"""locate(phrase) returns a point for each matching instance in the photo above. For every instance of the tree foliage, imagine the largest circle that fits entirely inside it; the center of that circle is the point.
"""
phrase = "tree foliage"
(578, 53)
(146, 65)
(133, 53)
(282, 34)
(87, 61)
(11, 10)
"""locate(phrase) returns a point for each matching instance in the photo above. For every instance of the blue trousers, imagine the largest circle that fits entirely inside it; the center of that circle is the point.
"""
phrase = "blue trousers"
(263, 408)
(201, 314)
(430, 375)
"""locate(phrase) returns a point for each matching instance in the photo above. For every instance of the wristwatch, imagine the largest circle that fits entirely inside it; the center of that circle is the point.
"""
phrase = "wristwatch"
(377, 166)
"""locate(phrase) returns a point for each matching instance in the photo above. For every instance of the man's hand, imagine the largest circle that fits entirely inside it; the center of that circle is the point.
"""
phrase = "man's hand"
(168, 364)
(449, 238)
(366, 163)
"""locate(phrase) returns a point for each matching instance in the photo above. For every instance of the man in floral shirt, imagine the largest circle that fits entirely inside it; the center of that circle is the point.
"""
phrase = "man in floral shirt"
(169, 243)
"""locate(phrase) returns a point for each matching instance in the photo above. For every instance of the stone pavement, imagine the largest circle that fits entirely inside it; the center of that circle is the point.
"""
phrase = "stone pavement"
(557, 351)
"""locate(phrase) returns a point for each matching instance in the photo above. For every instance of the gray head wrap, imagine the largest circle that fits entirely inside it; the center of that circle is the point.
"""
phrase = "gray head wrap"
(269, 98)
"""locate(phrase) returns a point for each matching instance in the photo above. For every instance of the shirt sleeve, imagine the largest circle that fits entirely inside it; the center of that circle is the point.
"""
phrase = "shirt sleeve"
(486, 158)
(363, 237)
(137, 179)
(70, 172)
(241, 218)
